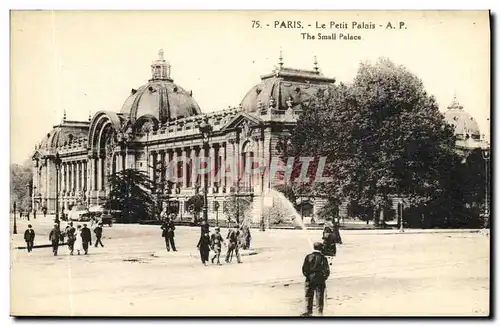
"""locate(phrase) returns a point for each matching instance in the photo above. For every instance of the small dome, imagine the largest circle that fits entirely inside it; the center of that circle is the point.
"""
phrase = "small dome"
(64, 134)
(285, 88)
(465, 125)
(160, 97)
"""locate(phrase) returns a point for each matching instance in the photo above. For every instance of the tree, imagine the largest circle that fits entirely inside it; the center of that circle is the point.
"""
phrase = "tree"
(195, 204)
(236, 208)
(20, 177)
(130, 192)
(382, 135)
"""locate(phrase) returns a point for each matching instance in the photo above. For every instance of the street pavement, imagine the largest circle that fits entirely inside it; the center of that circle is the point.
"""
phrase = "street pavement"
(374, 274)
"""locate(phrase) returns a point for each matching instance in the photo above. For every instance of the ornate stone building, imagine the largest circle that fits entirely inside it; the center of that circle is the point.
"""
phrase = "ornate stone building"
(159, 122)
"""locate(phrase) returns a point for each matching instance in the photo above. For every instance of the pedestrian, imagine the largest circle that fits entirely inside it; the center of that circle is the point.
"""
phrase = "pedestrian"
(248, 237)
(71, 234)
(78, 244)
(54, 237)
(336, 232)
(44, 212)
(86, 238)
(34, 214)
(204, 248)
(216, 241)
(168, 233)
(233, 246)
(29, 237)
(28, 214)
(316, 271)
(205, 227)
(98, 234)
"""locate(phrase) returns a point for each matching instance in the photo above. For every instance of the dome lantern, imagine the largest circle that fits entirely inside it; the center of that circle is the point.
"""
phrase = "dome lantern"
(160, 69)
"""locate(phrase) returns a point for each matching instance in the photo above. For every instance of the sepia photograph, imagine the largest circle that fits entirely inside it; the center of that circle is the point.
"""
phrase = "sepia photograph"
(250, 163)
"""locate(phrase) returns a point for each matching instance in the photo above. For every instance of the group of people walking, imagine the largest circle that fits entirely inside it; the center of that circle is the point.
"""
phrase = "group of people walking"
(215, 241)
(77, 239)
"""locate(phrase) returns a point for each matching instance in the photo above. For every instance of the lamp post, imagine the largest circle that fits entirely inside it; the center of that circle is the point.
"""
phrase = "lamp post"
(206, 130)
(486, 156)
(57, 162)
(401, 227)
(15, 225)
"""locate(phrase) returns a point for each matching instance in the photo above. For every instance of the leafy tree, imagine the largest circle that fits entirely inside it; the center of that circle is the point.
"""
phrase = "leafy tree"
(130, 192)
(195, 204)
(20, 177)
(382, 135)
(236, 208)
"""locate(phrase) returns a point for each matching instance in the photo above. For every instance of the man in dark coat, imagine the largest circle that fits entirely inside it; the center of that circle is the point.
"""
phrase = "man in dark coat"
(316, 271)
(168, 233)
(233, 246)
(29, 237)
(98, 234)
(204, 248)
(34, 214)
(54, 237)
(86, 238)
(71, 234)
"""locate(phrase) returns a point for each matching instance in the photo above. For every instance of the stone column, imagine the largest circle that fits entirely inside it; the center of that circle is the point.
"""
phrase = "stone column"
(77, 175)
(99, 173)
(175, 167)
(222, 152)
(185, 167)
(203, 155)
(194, 175)
(212, 166)
(152, 163)
(266, 165)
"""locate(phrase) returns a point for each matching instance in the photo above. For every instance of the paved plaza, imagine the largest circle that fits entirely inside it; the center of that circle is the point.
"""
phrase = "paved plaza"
(375, 273)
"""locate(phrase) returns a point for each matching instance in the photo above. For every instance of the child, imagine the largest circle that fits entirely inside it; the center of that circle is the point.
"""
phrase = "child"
(204, 247)
(216, 242)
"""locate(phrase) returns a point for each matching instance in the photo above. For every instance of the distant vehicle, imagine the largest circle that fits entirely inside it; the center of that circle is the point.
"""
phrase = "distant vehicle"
(79, 213)
(105, 216)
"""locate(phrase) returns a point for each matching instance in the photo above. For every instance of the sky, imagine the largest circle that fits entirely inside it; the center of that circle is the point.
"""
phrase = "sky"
(82, 62)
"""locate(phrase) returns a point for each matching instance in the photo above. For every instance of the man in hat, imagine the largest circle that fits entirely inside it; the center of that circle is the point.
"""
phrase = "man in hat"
(86, 238)
(216, 241)
(168, 233)
(54, 237)
(233, 246)
(316, 271)
(29, 237)
(98, 234)
(71, 234)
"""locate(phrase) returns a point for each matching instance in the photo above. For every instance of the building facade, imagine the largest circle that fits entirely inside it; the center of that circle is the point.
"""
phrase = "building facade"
(157, 125)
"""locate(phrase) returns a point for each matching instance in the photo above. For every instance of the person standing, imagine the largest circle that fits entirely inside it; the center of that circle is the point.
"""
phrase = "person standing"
(54, 237)
(70, 233)
(78, 244)
(29, 237)
(98, 234)
(316, 271)
(233, 246)
(34, 214)
(216, 242)
(204, 248)
(86, 238)
(169, 234)
(44, 212)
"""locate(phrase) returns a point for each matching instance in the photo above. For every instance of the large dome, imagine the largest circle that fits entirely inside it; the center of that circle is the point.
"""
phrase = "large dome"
(286, 87)
(465, 125)
(160, 97)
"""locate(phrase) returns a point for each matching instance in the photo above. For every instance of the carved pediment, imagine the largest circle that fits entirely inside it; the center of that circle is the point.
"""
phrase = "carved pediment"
(244, 122)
